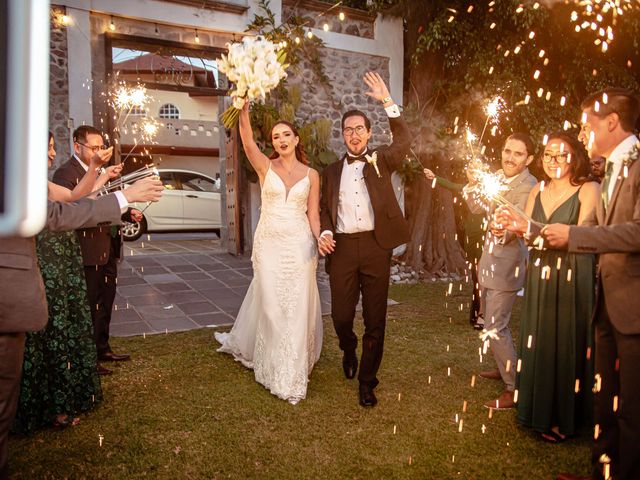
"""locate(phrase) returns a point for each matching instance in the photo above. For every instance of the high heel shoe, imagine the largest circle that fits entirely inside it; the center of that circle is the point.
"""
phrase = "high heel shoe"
(64, 421)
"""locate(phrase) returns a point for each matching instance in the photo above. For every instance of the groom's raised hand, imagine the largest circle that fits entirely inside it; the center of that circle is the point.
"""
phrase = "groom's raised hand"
(377, 88)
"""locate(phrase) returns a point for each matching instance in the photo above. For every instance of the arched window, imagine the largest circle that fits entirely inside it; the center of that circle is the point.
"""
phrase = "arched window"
(169, 110)
(138, 111)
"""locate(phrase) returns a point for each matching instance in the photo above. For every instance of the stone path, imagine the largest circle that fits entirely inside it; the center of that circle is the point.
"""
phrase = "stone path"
(172, 283)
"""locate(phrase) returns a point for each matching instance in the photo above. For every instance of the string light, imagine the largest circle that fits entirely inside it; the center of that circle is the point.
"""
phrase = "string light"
(197, 37)
(341, 16)
(112, 26)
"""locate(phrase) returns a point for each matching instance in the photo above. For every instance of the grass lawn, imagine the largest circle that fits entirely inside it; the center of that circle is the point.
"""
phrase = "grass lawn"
(181, 410)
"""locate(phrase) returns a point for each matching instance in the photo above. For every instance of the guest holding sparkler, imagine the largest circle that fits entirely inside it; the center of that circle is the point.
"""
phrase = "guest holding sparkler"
(609, 118)
(59, 377)
(554, 382)
(501, 268)
(101, 246)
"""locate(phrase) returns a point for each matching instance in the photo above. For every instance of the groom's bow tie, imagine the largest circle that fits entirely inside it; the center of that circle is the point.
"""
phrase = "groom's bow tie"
(359, 158)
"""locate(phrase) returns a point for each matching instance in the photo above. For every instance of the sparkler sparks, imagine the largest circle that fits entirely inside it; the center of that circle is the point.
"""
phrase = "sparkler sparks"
(600, 17)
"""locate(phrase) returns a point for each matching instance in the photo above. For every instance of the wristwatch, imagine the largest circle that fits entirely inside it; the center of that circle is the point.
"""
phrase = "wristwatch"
(386, 99)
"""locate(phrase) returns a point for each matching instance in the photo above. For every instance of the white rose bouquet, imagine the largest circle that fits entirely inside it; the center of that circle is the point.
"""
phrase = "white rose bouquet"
(255, 66)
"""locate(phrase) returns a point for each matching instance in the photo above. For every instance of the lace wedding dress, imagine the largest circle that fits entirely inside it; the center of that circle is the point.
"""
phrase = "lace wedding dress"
(278, 331)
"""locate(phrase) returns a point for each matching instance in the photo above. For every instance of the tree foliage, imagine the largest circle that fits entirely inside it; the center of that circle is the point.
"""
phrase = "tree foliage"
(487, 49)
(459, 55)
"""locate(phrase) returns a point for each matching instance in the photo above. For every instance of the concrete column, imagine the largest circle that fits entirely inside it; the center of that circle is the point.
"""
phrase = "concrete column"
(79, 61)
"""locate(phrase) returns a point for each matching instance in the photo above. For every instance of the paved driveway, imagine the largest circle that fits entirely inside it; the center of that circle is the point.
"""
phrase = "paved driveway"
(177, 282)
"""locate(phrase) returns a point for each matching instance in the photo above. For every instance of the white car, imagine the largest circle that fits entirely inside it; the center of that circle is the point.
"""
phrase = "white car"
(191, 201)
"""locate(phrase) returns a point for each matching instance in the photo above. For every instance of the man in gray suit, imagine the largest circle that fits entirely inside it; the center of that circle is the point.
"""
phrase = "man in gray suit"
(609, 119)
(501, 270)
(23, 305)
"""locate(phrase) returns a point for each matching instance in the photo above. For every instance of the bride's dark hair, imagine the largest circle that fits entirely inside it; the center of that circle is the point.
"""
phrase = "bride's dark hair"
(301, 155)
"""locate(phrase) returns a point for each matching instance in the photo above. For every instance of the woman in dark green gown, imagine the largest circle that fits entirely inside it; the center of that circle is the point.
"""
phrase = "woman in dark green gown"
(555, 373)
(59, 376)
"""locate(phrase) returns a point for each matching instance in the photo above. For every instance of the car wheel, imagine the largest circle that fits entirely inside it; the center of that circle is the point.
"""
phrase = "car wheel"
(132, 231)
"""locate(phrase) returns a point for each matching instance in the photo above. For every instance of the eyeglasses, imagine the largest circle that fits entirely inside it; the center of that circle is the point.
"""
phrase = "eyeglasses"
(94, 149)
(559, 158)
(359, 130)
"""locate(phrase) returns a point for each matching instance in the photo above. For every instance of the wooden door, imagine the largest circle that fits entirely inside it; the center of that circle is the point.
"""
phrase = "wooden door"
(234, 224)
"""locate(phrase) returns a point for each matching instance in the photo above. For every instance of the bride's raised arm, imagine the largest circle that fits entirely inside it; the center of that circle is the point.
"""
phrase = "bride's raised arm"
(259, 160)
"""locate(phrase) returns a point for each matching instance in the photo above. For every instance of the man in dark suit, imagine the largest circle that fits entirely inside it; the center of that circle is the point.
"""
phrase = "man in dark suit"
(613, 231)
(100, 246)
(361, 223)
(23, 305)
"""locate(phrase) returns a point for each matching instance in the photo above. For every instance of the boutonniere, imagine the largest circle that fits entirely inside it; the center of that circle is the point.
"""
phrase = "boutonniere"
(630, 157)
(373, 160)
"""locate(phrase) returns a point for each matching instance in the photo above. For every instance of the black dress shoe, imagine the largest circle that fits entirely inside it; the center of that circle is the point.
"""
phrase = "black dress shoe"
(350, 365)
(103, 371)
(113, 357)
(367, 397)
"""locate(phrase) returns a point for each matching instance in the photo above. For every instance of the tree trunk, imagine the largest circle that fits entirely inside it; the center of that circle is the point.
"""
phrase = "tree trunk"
(433, 248)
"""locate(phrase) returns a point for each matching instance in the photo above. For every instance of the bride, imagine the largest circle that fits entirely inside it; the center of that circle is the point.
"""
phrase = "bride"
(278, 331)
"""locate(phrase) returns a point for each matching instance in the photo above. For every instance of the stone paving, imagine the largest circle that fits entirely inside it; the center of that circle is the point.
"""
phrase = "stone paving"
(169, 283)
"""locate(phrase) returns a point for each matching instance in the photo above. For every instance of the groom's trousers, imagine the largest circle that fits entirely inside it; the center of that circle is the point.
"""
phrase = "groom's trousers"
(360, 265)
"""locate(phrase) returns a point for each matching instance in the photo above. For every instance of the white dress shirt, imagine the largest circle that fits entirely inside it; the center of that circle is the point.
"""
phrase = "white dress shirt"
(355, 213)
(616, 158)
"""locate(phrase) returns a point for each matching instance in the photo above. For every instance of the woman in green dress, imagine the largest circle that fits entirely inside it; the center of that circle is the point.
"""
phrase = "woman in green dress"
(554, 367)
(59, 376)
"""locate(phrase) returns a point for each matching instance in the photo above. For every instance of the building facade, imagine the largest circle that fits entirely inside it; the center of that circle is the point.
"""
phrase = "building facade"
(170, 47)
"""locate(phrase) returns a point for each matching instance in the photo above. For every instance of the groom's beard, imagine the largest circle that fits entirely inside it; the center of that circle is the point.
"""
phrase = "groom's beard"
(362, 149)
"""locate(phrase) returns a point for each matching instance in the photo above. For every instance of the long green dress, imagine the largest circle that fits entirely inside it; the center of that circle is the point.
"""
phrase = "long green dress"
(59, 374)
(555, 334)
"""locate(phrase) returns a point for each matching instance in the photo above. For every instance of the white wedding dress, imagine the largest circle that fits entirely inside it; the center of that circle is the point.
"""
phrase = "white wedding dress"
(278, 331)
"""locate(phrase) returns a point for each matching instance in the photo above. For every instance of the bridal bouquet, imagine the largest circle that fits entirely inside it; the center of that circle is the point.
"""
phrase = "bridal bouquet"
(255, 67)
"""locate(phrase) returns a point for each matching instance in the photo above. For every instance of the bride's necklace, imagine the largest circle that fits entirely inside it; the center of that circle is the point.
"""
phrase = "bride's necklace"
(289, 171)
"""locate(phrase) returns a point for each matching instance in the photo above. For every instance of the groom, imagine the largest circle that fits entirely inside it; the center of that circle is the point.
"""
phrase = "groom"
(361, 225)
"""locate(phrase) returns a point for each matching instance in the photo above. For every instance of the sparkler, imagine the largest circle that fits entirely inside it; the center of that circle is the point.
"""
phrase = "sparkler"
(493, 109)
(489, 187)
(144, 172)
(147, 132)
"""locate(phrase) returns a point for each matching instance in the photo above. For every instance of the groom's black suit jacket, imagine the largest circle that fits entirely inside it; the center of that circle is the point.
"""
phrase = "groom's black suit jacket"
(390, 227)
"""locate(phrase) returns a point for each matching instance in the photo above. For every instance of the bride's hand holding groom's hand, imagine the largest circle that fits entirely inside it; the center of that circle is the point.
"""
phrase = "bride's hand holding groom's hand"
(326, 244)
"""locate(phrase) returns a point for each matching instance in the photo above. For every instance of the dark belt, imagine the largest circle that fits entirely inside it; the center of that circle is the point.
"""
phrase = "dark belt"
(367, 234)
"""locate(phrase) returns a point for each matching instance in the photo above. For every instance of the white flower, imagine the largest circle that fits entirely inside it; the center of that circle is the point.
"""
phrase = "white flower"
(253, 67)
(373, 160)
(238, 102)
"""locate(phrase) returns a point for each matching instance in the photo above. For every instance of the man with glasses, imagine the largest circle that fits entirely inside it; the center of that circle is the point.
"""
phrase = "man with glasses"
(100, 246)
(501, 270)
(361, 225)
(609, 118)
